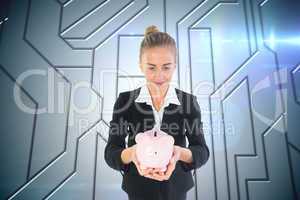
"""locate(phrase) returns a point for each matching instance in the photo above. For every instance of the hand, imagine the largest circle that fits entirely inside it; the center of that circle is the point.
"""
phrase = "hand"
(161, 176)
(142, 172)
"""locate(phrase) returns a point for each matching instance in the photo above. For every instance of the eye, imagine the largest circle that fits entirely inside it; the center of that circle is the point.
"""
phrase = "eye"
(166, 68)
(151, 68)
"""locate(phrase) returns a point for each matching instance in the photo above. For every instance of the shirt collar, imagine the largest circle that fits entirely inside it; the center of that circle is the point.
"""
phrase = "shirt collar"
(171, 96)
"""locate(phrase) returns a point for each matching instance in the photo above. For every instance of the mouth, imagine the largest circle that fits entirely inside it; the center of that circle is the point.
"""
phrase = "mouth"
(159, 83)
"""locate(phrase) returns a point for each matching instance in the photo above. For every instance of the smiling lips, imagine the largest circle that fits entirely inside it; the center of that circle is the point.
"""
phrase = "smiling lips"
(159, 83)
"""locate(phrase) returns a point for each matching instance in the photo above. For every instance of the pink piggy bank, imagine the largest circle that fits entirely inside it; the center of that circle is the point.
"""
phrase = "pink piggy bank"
(154, 149)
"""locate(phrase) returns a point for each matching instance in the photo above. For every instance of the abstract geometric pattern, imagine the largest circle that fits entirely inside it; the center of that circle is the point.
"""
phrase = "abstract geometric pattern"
(64, 62)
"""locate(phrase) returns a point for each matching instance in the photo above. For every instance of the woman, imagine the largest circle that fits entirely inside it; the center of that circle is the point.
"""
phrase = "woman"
(157, 104)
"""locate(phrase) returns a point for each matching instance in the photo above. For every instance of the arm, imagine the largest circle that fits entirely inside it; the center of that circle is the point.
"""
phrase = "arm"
(117, 134)
(197, 152)
(117, 156)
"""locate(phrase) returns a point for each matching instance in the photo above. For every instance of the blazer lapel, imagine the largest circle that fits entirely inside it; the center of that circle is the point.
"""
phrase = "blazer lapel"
(171, 117)
(172, 114)
(143, 115)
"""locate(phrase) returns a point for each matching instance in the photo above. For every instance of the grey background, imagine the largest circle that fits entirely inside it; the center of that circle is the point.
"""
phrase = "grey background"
(240, 58)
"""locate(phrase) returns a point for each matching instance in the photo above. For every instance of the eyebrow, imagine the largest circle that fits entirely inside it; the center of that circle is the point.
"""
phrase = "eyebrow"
(155, 65)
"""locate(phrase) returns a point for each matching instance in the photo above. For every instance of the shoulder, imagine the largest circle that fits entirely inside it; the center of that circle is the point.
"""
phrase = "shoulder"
(129, 95)
(184, 93)
(189, 102)
(185, 97)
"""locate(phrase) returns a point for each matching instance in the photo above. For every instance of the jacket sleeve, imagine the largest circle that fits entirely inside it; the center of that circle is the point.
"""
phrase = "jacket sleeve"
(194, 133)
(117, 134)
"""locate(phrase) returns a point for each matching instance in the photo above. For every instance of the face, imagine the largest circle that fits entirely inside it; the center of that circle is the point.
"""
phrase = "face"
(158, 65)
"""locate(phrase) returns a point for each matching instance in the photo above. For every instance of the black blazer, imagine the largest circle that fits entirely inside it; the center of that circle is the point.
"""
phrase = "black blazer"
(180, 121)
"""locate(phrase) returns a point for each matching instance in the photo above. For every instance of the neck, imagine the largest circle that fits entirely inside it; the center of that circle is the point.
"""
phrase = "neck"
(158, 92)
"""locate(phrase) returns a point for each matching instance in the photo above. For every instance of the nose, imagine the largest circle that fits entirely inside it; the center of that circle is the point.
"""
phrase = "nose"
(159, 76)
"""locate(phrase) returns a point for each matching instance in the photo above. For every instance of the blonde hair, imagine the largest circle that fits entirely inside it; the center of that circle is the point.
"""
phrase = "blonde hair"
(154, 38)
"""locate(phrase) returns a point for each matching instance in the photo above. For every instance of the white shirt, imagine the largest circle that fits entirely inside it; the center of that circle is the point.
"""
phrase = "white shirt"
(145, 97)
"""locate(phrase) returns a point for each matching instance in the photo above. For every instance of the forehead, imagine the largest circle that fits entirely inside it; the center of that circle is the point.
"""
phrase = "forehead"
(158, 54)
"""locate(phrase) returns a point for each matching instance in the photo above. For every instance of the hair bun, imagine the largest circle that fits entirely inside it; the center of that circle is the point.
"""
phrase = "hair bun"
(151, 29)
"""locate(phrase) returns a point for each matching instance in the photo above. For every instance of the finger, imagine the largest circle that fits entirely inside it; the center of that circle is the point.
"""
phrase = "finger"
(156, 170)
(162, 173)
(146, 171)
(139, 169)
(150, 170)
(134, 158)
(169, 170)
(176, 156)
(172, 160)
(148, 176)
(156, 178)
(159, 177)
(152, 177)
(167, 177)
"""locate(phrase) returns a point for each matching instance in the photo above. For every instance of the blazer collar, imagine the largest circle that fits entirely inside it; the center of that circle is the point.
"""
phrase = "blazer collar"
(170, 98)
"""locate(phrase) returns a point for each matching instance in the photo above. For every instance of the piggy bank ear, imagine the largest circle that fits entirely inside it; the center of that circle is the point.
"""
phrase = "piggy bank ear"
(138, 138)
(167, 139)
(141, 137)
